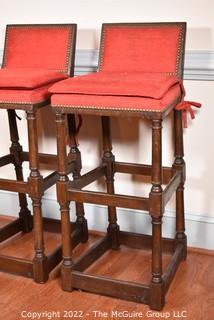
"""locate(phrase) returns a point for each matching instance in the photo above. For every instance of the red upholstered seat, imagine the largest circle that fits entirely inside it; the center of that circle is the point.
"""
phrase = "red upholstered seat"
(28, 78)
(140, 69)
(26, 96)
(35, 56)
(115, 103)
(149, 85)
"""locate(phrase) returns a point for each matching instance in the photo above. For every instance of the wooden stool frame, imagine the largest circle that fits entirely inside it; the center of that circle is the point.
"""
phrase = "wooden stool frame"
(35, 187)
(73, 272)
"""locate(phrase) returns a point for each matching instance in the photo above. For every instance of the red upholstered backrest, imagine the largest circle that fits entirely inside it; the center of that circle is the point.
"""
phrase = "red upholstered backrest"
(40, 46)
(143, 47)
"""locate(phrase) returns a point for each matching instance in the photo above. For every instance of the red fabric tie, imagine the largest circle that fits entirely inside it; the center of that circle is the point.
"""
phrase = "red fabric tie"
(186, 106)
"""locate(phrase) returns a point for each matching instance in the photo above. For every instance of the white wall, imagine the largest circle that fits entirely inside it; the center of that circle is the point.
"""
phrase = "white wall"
(133, 145)
(91, 14)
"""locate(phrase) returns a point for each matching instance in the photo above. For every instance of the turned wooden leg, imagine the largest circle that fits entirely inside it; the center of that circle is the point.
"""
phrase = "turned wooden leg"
(155, 210)
(75, 154)
(35, 182)
(62, 191)
(108, 160)
(16, 151)
(179, 164)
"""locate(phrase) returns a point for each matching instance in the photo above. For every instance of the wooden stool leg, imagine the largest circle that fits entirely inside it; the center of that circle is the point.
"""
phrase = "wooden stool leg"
(179, 164)
(155, 198)
(16, 151)
(76, 155)
(108, 159)
(62, 190)
(36, 191)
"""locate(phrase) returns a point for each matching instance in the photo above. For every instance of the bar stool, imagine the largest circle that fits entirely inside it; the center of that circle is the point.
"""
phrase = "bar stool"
(35, 57)
(140, 75)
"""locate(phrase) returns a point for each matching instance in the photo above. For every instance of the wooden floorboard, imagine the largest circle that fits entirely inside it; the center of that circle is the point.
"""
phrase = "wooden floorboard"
(192, 290)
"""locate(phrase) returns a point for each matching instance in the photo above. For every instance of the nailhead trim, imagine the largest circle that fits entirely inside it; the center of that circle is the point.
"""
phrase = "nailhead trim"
(22, 102)
(135, 109)
(179, 45)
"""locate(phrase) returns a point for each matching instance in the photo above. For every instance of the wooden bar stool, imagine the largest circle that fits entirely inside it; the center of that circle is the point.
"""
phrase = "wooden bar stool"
(140, 75)
(35, 57)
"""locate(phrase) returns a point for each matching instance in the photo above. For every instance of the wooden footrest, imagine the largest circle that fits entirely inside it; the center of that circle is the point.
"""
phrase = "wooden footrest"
(22, 266)
(133, 291)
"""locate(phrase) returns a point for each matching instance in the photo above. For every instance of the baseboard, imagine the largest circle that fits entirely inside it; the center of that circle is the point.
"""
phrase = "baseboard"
(199, 64)
(199, 229)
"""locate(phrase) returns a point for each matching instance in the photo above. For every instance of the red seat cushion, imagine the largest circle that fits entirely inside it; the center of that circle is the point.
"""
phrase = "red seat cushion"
(119, 84)
(28, 78)
(79, 102)
(26, 96)
(117, 91)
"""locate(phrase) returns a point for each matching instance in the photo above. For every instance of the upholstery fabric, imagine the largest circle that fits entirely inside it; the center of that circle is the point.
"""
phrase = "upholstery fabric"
(34, 46)
(24, 96)
(110, 102)
(140, 48)
(148, 85)
(28, 78)
(140, 69)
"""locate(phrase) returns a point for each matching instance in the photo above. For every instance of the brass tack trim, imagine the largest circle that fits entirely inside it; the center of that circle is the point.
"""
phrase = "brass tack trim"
(179, 55)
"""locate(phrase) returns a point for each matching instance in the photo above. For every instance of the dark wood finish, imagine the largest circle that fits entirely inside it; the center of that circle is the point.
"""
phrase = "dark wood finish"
(156, 211)
(74, 273)
(143, 241)
(173, 265)
(172, 185)
(62, 186)
(13, 186)
(22, 265)
(75, 153)
(36, 184)
(6, 160)
(84, 280)
(142, 169)
(16, 150)
(54, 225)
(179, 164)
(50, 180)
(91, 255)
(44, 158)
(17, 266)
(10, 229)
(109, 160)
(193, 281)
(88, 178)
(36, 192)
(123, 201)
(55, 257)
(113, 288)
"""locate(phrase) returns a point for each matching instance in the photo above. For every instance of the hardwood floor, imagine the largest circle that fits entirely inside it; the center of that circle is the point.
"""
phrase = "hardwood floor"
(191, 295)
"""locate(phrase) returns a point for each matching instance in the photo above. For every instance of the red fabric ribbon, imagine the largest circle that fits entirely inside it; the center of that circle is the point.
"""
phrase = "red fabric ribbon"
(186, 106)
